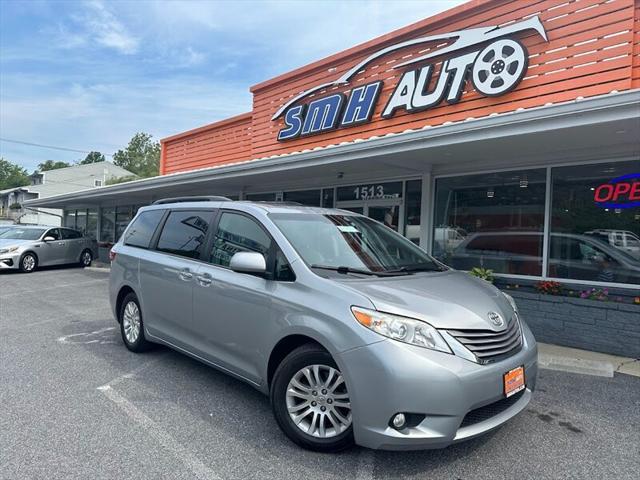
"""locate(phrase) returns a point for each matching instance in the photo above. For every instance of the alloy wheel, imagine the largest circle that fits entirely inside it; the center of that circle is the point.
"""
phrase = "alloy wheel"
(318, 402)
(131, 322)
(86, 259)
(28, 263)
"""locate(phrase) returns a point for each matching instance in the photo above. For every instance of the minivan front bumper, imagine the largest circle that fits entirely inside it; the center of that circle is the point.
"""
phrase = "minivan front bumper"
(388, 377)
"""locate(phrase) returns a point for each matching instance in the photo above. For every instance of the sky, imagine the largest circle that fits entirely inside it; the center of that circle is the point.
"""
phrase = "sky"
(87, 75)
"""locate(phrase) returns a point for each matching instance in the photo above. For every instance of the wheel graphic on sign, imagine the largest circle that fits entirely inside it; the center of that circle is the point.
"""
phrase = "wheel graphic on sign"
(499, 67)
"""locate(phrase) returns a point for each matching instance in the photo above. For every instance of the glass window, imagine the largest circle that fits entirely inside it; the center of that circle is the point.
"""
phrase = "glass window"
(123, 217)
(184, 233)
(92, 224)
(237, 233)
(305, 197)
(69, 218)
(68, 234)
(54, 232)
(141, 231)
(412, 210)
(595, 222)
(340, 242)
(327, 198)
(81, 221)
(107, 225)
(261, 197)
(493, 220)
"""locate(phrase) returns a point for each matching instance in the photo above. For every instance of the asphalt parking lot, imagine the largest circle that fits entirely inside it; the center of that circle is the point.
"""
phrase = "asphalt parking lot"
(76, 404)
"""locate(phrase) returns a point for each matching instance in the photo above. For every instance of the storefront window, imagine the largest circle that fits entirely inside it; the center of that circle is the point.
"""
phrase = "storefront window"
(370, 191)
(327, 198)
(305, 197)
(595, 223)
(70, 218)
(412, 210)
(261, 197)
(81, 220)
(92, 223)
(123, 217)
(107, 225)
(493, 220)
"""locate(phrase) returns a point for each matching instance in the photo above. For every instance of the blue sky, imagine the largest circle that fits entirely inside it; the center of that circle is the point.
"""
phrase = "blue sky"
(89, 74)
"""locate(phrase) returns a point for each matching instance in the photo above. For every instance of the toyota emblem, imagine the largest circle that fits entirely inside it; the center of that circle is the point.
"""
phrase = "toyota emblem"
(496, 319)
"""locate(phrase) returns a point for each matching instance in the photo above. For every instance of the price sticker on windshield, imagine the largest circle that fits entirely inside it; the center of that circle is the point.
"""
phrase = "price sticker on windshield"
(348, 229)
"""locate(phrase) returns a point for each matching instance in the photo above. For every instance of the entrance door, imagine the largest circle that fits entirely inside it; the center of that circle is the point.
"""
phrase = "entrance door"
(380, 201)
(387, 211)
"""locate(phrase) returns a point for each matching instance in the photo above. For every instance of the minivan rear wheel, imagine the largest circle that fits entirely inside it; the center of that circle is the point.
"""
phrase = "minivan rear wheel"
(310, 400)
(131, 325)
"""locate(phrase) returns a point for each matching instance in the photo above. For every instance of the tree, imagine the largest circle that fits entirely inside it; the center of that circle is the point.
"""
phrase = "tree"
(92, 157)
(142, 156)
(52, 165)
(12, 175)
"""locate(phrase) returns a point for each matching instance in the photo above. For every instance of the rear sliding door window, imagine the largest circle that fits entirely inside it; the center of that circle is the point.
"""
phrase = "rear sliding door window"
(141, 230)
(184, 233)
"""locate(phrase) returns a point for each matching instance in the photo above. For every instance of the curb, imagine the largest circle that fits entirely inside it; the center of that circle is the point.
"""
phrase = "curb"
(576, 365)
(98, 269)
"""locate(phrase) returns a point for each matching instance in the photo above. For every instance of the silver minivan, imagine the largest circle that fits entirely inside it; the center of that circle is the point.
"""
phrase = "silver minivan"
(355, 333)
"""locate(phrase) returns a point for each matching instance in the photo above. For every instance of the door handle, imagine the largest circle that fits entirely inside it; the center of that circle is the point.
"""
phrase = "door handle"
(185, 275)
(204, 280)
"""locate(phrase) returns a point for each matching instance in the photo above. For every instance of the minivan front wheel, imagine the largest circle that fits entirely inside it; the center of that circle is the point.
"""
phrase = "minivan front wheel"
(131, 326)
(310, 400)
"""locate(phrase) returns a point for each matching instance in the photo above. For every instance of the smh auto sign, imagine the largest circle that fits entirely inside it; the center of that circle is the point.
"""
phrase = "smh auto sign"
(496, 63)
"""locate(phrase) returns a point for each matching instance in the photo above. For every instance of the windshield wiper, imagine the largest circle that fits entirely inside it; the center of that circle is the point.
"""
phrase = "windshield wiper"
(357, 270)
(419, 267)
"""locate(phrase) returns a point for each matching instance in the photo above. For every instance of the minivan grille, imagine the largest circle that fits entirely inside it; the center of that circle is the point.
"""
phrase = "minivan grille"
(489, 346)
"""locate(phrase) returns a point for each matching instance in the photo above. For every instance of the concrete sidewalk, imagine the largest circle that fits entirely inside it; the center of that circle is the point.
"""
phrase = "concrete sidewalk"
(555, 357)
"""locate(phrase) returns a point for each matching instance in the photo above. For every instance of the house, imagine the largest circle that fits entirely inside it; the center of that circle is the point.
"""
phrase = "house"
(51, 183)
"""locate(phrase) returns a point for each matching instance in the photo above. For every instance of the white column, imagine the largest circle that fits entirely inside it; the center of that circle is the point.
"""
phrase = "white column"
(426, 211)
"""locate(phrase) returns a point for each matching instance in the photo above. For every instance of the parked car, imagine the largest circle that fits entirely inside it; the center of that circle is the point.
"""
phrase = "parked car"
(28, 247)
(621, 239)
(355, 333)
(578, 257)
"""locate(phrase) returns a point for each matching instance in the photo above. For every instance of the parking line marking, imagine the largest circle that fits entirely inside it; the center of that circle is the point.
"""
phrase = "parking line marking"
(57, 287)
(365, 465)
(134, 372)
(199, 469)
(66, 338)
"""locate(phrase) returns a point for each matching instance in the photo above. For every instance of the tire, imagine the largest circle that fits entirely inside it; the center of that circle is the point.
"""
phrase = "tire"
(310, 398)
(28, 262)
(86, 257)
(132, 329)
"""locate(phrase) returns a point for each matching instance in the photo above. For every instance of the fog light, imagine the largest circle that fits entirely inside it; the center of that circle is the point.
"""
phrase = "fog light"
(398, 420)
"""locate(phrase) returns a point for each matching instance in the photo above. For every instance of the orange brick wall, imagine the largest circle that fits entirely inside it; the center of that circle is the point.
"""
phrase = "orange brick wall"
(593, 48)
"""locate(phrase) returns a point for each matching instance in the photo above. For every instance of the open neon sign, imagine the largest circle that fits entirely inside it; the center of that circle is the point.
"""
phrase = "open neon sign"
(621, 192)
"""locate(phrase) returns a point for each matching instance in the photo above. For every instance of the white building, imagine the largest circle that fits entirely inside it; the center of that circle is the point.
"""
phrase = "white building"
(51, 183)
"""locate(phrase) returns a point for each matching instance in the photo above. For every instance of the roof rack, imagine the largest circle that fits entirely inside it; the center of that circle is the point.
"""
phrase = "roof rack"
(277, 202)
(191, 199)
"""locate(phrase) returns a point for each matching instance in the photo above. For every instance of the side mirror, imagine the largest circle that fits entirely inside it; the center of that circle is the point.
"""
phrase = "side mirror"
(48, 238)
(248, 262)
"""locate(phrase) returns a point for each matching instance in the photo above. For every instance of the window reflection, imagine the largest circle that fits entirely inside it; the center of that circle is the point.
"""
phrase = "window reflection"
(493, 220)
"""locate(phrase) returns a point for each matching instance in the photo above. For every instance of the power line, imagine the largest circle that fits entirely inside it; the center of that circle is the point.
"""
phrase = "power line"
(53, 147)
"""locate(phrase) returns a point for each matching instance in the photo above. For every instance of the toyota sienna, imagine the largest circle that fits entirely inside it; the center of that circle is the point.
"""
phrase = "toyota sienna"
(355, 333)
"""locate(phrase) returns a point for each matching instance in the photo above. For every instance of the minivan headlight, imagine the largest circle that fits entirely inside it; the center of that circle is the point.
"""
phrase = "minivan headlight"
(9, 249)
(511, 301)
(403, 329)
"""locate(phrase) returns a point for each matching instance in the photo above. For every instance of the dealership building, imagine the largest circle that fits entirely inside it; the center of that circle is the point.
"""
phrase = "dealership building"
(498, 134)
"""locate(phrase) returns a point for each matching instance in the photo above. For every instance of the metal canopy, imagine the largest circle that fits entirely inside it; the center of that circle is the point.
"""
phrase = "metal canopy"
(600, 128)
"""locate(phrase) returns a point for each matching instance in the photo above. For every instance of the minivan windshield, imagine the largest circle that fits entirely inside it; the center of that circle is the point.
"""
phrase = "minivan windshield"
(352, 244)
(17, 233)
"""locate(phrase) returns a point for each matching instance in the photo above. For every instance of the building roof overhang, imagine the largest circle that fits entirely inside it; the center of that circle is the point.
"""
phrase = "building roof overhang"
(602, 127)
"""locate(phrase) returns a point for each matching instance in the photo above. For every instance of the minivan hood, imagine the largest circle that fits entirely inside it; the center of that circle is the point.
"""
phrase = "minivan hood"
(445, 300)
